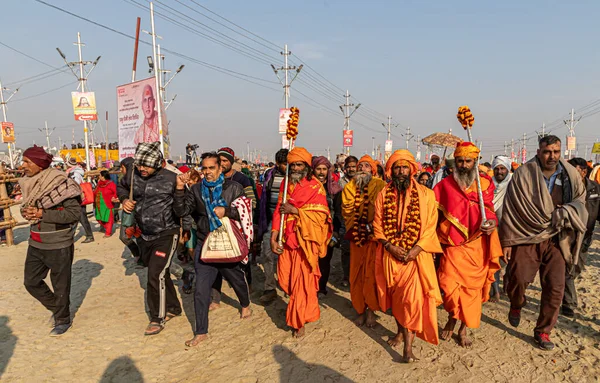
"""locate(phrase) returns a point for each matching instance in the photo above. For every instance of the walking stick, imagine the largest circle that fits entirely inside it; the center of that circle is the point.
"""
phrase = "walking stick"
(291, 134)
(466, 119)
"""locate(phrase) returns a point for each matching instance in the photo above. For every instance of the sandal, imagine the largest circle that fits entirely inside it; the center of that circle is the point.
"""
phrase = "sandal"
(188, 281)
(153, 328)
(170, 316)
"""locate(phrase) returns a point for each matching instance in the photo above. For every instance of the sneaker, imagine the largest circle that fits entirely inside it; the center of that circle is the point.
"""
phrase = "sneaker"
(268, 296)
(60, 329)
(88, 240)
(543, 341)
(567, 311)
(514, 317)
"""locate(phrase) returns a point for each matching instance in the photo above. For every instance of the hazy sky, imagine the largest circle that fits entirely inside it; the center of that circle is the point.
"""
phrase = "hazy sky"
(517, 64)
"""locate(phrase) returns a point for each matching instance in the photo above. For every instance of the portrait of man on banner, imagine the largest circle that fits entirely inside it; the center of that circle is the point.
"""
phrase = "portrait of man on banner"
(8, 133)
(84, 106)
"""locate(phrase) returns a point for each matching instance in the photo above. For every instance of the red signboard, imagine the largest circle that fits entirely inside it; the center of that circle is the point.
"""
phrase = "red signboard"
(348, 138)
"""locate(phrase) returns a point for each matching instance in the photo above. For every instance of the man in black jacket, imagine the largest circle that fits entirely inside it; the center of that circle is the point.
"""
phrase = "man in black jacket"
(214, 190)
(156, 216)
(592, 205)
(51, 203)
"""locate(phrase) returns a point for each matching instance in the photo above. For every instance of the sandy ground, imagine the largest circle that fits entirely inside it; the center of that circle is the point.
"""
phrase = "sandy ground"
(107, 343)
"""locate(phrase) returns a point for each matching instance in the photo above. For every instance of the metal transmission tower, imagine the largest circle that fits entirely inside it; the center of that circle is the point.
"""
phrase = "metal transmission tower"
(82, 77)
(164, 82)
(347, 114)
(286, 82)
(571, 124)
(4, 102)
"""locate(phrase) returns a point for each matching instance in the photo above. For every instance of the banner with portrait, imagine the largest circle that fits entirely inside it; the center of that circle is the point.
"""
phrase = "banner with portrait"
(8, 133)
(137, 116)
(84, 106)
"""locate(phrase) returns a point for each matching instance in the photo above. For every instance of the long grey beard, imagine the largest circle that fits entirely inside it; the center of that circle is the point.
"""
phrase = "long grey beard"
(296, 177)
(465, 179)
(401, 184)
(362, 179)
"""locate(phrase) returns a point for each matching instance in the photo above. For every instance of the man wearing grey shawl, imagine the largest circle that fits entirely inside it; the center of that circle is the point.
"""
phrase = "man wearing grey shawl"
(542, 228)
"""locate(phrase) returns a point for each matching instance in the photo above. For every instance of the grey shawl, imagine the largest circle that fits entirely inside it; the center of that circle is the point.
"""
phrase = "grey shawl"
(529, 216)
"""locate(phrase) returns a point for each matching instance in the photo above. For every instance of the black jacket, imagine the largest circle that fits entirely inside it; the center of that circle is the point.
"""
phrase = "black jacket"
(155, 211)
(592, 204)
(190, 203)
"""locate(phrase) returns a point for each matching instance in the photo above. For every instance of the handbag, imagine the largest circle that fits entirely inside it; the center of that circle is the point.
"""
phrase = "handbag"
(227, 244)
(128, 220)
(87, 193)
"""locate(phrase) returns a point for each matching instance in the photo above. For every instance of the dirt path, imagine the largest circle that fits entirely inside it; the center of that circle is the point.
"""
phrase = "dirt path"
(107, 344)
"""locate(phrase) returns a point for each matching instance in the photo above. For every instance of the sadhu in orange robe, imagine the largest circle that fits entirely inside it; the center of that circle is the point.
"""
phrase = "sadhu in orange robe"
(305, 237)
(410, 289)
(363, 287)
(470, 257)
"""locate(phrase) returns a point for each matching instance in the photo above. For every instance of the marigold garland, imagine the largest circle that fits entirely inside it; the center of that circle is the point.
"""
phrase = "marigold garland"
(360, 234)
(412, 224)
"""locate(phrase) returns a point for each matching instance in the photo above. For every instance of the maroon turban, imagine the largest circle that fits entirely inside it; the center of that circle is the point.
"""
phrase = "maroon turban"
(38, 156)
(332, 187)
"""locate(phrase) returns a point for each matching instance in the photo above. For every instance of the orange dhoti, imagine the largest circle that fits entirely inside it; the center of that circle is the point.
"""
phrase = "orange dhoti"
(465, 275)
(363, 286)
(298, 280)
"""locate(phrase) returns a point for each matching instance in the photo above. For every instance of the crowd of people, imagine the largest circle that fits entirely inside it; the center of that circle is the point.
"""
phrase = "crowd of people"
(411, 236)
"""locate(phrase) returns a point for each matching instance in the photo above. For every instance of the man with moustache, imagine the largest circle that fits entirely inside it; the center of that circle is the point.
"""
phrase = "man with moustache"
(358, 210)
(471, 248)
(501, 178)
(306, 233)
(349, 165)
(542, 228)
(405, 225)
(323, 171)
(158, 218)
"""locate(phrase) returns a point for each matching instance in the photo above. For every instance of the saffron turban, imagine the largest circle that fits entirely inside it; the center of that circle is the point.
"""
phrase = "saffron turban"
(367, 158)
(501, 160)
(401, 157)
(299, 155)
(38, 156)
(466, 149)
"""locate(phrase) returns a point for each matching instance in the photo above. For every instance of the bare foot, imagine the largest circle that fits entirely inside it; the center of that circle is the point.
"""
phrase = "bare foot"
(360, 321)
(298, 333)
(408, 356)
(495, 298)
(371, 319)
(214, 306)
(448, 329)
(395, 341)
(196, 340)
(246, 313)
(463, 339)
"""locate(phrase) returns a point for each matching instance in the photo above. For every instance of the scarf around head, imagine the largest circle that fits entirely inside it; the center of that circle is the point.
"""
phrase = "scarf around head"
(214, 190)
(331, 186)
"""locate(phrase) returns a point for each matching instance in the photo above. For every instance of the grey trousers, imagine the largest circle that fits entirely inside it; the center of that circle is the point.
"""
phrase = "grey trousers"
(269, 261)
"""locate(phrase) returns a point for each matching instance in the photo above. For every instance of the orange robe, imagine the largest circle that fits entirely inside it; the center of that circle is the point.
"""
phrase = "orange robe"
(470, 257)
(305, 237)
(363, 287)
(411, 289)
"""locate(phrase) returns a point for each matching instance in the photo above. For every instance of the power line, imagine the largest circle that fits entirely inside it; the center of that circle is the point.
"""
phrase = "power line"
(38, 77)
(45, 92)
(28, 56)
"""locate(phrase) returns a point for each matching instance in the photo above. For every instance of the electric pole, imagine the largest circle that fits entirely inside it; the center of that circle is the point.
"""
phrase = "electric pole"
(286, 68)
(2, 89)
(164, 82)
(571, 124)
(347, 114)
(48, 134)
(408, 135)
(524, 149)
(418, 154)
(373, 151)
(82, 78)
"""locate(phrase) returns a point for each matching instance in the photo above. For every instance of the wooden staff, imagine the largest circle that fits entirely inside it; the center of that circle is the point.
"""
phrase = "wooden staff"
(292, 133)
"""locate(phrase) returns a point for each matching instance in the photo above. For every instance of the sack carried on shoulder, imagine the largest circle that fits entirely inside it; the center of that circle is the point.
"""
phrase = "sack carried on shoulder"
(227, 244)
(87, 193)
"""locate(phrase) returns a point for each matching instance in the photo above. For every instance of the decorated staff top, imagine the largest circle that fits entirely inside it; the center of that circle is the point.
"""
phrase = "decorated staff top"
(292, 124)
(465, 117)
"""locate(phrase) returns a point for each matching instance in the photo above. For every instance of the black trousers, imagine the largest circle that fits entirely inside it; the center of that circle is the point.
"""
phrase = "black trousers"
(325, 267)
(37, 264)
(85, 222)
(206, 274)
(218, 285)
(161, 295)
